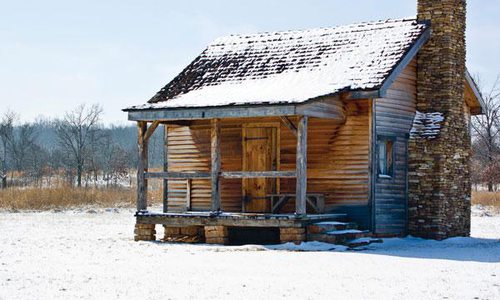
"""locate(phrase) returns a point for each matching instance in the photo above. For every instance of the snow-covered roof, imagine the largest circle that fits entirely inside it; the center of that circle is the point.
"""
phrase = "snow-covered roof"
(290, 66)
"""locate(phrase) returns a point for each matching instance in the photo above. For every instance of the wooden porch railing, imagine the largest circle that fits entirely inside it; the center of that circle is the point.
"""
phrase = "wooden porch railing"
(216, 174)
(232, 175)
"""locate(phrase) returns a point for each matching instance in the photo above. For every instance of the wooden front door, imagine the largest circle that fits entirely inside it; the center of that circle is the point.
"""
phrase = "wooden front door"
(259, 154)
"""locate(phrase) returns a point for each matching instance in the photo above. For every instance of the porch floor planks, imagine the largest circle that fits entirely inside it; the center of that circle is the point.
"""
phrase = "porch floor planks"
(233, 219)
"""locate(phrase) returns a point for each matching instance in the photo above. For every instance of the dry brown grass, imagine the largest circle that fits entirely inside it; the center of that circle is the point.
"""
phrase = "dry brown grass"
(486, 198)
(65, 197)
(71, 197)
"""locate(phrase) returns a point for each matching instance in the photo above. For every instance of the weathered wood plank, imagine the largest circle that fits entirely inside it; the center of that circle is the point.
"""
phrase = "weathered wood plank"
(301, 167)
(316, 201)
(216, 164)
(142, 185)
(188, 194)
(289, 124)
(212, 112)
(393, 117)
(165, 167)
(151, 130)
(177, 175)
(235, 220)
(372, 159)
(263, 174)
(325, 107)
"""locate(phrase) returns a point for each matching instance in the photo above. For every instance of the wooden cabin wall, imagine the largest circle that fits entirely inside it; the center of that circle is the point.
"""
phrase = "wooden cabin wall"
(349, 170)
(338, 161)
(394, 116)
(189, 150)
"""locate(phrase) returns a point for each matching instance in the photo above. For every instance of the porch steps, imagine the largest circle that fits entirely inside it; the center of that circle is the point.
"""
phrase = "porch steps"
(322, 227)
(356, 243)
(340, 233)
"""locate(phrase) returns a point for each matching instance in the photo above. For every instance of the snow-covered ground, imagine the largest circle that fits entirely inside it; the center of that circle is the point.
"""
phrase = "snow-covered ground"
(84, 255)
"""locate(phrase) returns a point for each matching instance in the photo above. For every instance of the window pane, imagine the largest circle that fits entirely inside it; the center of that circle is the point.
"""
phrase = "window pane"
(382, 158)
(389, 155)
(385, 149)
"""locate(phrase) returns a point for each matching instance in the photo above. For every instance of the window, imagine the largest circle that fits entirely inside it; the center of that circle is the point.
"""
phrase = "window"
(385, 148)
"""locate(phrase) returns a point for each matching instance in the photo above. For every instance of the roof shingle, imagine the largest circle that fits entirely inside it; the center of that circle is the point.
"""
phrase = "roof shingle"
(290, 66)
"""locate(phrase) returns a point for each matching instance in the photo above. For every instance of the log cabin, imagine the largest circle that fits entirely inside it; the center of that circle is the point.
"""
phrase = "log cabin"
(329, 134)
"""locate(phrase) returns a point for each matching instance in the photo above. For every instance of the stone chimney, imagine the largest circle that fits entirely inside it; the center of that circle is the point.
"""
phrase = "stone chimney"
(439, 178)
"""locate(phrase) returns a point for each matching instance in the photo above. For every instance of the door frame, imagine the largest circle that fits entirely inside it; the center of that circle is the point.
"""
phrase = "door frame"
(277, 126)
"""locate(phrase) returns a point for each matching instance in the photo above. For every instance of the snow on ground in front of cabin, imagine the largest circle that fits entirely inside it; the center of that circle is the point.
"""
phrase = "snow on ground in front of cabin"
(77, 254)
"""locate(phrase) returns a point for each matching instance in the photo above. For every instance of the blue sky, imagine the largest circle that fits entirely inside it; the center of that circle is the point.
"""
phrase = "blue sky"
(57, 54)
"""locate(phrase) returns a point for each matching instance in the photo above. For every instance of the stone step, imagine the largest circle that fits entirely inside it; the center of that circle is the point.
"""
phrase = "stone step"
(356, 243)
(339, 237)
(322, 227)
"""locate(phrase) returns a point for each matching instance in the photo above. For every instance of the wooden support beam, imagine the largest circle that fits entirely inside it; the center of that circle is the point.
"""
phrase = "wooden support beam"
(188, 194)
(195, 113)
(151, 130)
(178, 175)
(165, 168)
(301, 166)
(216, 163)
(263, 174)
(286, 121)
(142, 168)
(233, 220)
(177, 123)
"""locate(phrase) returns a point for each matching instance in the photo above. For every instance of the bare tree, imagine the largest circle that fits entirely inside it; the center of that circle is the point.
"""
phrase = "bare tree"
(6, 135)
(22, 144)
(487, 129)
(36, 165)
(76, 134)
(114, 161)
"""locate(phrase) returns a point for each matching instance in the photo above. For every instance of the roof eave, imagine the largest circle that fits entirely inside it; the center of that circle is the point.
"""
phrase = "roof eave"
(475, 90)
(410, 54)
(364, 94)
(196, 113)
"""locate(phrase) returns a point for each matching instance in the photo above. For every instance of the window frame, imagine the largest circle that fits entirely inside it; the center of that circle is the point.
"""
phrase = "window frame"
(385, 139)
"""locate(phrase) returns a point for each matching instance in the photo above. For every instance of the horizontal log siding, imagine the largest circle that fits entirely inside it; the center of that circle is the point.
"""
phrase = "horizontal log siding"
(394, 117)
(337, 160)
(189, 150)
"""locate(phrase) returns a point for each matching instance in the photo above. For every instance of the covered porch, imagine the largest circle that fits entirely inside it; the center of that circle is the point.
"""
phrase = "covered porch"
(235, 167)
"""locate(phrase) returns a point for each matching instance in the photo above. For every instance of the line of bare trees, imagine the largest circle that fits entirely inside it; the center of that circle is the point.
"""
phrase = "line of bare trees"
(486, 140)
(80, 150)
(75, 149)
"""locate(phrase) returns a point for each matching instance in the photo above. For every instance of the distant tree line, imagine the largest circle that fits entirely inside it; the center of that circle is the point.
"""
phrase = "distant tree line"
(76, 149)
(485, 169)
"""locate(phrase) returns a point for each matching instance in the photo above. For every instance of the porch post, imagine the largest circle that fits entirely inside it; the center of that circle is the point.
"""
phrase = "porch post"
(142, 184)
(165, 168)
(301, 167)
(216, 164)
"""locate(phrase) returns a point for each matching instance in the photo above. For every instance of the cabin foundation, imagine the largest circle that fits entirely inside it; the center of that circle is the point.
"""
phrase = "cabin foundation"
(199, 227)
(291, 234)
(216, 235)
(188, 234)
(144, 232)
